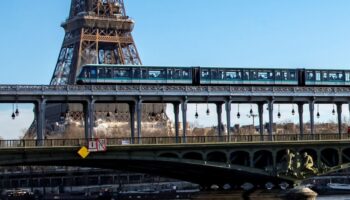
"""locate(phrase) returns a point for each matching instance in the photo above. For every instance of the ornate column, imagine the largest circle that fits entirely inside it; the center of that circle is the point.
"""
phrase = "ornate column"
(41, 123)
(184, 119)
(301, 118)
(219, 113)
(89, 118)
(312, 116)
(176, 112)
(271, 119)
(261, 120)
(139, 118)
(228, 119)
(339, 112)
(132, 108)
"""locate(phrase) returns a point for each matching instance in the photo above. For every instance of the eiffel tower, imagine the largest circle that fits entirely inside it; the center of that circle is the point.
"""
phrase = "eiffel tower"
(96, 32)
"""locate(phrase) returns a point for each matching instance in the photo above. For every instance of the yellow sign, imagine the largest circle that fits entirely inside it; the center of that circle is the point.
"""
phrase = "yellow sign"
(83, 152)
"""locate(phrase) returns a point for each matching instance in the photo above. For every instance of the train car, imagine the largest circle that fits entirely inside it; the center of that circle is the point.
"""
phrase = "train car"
(252, 76)
(327, 77)
(123, 74)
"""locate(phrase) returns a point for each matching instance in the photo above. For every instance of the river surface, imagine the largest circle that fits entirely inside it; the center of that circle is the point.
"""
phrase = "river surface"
(261, 195)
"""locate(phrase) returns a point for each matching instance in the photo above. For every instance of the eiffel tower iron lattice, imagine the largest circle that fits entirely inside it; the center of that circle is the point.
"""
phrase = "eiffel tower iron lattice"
(96, 32)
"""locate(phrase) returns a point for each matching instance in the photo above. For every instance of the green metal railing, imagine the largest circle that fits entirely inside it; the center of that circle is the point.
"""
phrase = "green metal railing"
(174, 140)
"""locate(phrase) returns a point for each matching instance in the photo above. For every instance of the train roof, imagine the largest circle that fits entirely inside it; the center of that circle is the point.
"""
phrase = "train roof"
(214, 67)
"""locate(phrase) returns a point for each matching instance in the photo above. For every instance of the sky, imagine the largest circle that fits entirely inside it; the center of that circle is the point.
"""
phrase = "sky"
(236, 33)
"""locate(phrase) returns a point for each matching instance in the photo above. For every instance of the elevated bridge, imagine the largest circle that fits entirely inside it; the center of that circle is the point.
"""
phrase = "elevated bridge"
(219, 159)
(203, 160)
(136, 95)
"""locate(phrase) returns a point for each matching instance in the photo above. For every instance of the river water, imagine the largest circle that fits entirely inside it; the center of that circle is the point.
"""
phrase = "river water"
(257, 196)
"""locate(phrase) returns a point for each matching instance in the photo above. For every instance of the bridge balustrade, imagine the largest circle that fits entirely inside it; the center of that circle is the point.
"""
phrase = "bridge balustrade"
(174, 140)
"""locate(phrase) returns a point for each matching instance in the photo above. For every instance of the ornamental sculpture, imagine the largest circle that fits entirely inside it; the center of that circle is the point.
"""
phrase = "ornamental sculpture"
(297, 165)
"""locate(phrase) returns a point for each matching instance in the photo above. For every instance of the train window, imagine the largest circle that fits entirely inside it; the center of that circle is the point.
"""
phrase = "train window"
(205, 74)
(278, 75)
(136, 73)
(245, 75)
(262, 75)
(324, 76)
(177, 74)
(233, 75)
(101, 73)
(144, 73)
(213, 74)
(85, 73)
(292, 75)
(120, 73)
(93, 73)
(310, 76)
(108, 73)
(156, 73)
(336, 76)
(284, 75)
(185, 73)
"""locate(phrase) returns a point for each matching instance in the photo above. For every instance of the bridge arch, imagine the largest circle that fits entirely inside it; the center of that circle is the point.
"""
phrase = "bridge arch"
(240, 158)
(330, 157)
(194, 155)
(346, 155)
(169, 155)
(262, 159)
(216, 156)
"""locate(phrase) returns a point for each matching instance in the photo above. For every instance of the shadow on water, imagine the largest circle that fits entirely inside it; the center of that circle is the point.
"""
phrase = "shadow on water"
(291, 194)
(240, 195)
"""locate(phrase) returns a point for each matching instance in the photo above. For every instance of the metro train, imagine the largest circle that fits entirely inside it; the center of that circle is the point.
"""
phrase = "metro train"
(129, 74)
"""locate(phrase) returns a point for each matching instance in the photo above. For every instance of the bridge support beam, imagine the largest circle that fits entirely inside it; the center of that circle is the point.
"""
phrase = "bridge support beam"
(339, 112)
(176, 113)
(89, 108)
(219, 113)
(184, 120)
(132, 121)
(261, 120)
(312, 116)
(301, 119)
(228, 119)
(41, 123)
(139, 119)
(271, 120)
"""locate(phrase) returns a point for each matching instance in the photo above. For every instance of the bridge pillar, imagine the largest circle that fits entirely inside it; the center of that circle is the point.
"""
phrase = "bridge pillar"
(228, 119)
(184, 120)
(139, 118)
(176, 113)
(261, 120)
(312, 116)
(271, 120)
(339, 112)
(301, 118)
(89, 108)
(219, 113)
(132, 121)
(41, 123)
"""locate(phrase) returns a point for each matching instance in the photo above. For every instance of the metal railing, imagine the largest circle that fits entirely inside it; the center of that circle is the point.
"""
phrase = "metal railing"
(174, 140)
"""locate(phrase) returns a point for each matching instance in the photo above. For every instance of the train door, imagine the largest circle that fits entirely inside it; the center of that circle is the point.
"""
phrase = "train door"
(195, 75)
